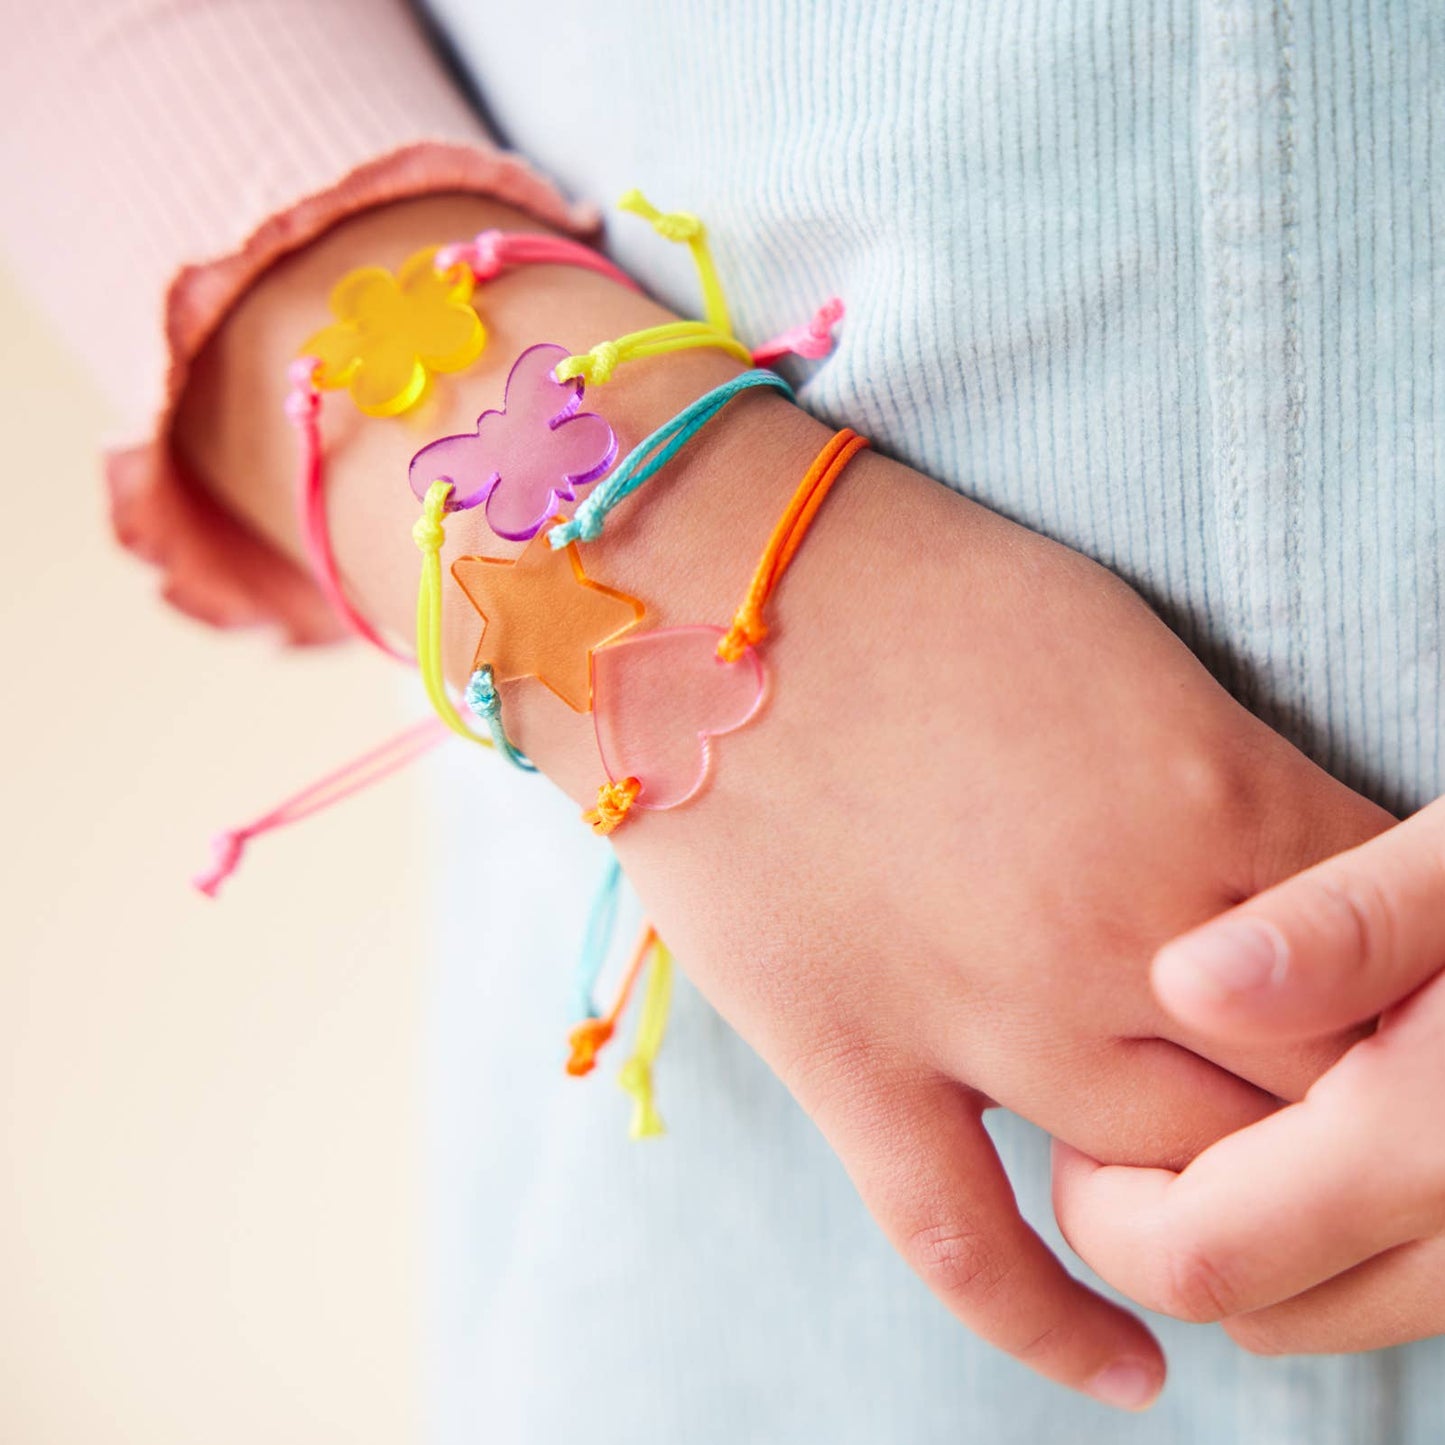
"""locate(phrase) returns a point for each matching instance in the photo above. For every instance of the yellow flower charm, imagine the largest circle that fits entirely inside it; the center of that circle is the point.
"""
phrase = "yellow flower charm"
(392, 333)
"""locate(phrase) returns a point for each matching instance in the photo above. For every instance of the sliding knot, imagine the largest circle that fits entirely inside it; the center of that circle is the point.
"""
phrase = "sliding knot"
(678, 226)
(428, 533)
(747, 631)
(594, 367)
(584, 1041)
(614, 802)
(481, 694)
(485, 256)
(303, 400)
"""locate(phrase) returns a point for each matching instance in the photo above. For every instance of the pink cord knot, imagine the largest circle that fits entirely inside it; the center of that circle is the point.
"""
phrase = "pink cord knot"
(303, 400)
(482, 256)
(813, 340)
(487, 259)
(226, 849)
(820, 328)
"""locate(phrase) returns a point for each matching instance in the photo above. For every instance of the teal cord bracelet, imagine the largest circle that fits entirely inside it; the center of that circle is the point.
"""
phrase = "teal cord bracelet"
(601, 921)
(486, 704)
(648, 458)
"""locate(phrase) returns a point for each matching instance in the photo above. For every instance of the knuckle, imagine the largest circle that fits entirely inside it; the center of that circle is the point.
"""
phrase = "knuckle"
(1040, 1344)
(1256, 1335)
(1357, 911)
(956, 1263)
(1195, 1288)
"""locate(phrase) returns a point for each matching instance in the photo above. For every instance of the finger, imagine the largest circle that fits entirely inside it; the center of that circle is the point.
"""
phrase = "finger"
(1330, 947)
(1134, 1101)
(1271, 1211)
(1392, 1299)
(929, 1174)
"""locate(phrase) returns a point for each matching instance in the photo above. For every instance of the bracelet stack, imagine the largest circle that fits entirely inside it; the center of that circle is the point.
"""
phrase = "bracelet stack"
(659, 698)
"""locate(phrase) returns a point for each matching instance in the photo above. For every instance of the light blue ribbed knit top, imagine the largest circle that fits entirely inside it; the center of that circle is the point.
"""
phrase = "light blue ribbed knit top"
(1156, 277)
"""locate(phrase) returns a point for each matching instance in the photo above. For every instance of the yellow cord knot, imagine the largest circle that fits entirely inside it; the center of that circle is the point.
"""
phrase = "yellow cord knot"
(428, 532)
(745, 632)
(594, 367)
(670, 225)
(635, 1077)
(614, 802)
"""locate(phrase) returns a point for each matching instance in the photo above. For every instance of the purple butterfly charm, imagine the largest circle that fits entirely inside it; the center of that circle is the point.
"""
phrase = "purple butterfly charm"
(523, 460)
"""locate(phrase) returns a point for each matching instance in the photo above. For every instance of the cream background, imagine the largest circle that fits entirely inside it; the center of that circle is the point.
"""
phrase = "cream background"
(208, 1111)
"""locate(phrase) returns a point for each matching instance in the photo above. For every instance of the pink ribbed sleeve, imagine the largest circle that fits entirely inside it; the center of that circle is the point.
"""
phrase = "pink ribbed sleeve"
(156, 156)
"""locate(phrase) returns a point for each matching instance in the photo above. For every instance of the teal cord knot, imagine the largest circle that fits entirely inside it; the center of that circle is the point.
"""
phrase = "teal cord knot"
(485, 703)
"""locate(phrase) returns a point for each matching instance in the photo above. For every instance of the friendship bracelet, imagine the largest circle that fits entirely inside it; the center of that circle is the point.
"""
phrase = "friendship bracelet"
(650, 456)
(748, 628)
(662, 696)
(303, 404)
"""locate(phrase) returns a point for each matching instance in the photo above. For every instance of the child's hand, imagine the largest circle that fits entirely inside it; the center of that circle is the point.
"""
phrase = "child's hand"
(1322, 1228)
(987, 784)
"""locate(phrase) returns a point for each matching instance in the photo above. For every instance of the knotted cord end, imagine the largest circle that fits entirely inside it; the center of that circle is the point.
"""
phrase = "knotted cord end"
(584, 1042)
(226, 849)
(635, 1077)
(614, 802)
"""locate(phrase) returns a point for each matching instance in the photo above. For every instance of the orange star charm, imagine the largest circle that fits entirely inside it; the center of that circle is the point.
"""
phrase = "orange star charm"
(542, 617)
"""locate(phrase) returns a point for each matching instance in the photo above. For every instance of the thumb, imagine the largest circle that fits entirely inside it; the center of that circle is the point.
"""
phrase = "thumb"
(1330, 947)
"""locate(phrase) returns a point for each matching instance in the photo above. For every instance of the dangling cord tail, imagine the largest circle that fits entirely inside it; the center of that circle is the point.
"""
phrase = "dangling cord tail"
(429, 534)
(648, 458)
(748, 628)
(589, 1036)
(370, 767)
(303, 404)
(683, 226)
(489, 253)
(813, 340)
(636, 1074)
(601, 920)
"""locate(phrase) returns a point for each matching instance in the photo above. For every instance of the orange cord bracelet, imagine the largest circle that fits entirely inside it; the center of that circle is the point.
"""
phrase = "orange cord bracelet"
(616, 797)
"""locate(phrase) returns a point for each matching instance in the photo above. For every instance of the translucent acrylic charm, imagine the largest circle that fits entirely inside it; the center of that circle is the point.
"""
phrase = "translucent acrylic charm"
(543, 616)
(392, 332)
(658, 701)
(526, 458)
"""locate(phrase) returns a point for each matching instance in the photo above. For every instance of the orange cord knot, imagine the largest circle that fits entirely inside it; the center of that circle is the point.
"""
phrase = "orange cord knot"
(747, 630)
(585, 1040)
(614, 802)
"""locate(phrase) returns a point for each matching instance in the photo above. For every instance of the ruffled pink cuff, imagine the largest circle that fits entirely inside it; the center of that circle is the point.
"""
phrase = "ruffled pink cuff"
(215, 568)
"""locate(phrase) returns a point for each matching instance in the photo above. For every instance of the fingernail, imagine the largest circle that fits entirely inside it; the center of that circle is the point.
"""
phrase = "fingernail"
(1232, 956)
(1126, 1384)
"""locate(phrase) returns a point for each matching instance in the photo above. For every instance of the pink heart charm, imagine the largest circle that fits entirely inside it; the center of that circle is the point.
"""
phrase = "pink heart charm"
(658, 701)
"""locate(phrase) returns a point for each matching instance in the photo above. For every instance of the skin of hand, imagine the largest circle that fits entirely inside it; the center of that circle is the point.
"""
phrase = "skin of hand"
(987, 783)
(1320, 1229)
